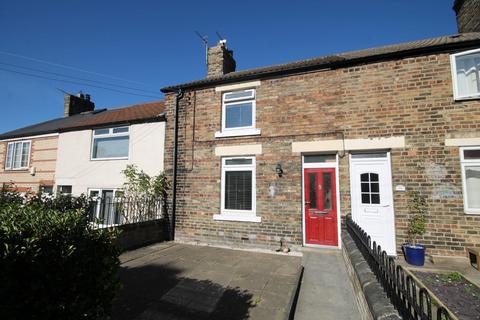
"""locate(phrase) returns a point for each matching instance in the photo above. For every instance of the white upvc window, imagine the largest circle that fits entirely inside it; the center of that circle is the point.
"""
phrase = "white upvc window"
(18, 155)
(470, 159)
(238, 114)
(238, 190)
(466, 74)
(64, 190)
(107, 206)
(110, 143)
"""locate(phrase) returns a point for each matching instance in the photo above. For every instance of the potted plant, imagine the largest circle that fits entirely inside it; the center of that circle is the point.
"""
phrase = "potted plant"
(413, 251)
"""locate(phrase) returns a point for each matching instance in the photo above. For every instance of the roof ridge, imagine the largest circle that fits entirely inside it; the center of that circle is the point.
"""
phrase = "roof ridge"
(395, 48)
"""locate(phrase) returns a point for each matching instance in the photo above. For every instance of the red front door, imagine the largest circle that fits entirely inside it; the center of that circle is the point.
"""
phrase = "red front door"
(320, 207)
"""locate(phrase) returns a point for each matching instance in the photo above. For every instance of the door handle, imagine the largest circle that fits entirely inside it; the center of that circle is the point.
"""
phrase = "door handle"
(307, 202)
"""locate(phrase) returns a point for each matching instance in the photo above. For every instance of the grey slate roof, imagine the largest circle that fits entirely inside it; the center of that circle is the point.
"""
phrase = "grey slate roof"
(50, 126)
(143, 112)
(439, 44)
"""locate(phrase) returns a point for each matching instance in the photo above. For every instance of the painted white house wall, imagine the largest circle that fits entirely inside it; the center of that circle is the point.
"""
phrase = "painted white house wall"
(74, 166)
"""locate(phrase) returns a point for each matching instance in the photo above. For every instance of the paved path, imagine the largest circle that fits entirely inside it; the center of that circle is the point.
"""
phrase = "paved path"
(326, 292)
(171, 281)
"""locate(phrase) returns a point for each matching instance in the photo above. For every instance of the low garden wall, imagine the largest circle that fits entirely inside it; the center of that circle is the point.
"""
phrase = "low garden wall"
(371, 298)
(139, 234)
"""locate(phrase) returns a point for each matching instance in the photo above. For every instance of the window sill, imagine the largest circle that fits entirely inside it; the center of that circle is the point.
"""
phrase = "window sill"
(237, 133)
(107, 159)
(472, 212)
(237, 217)
(17, 170)
(470, 98)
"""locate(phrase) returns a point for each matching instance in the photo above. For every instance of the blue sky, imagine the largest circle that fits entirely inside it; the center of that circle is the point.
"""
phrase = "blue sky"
(153, 43)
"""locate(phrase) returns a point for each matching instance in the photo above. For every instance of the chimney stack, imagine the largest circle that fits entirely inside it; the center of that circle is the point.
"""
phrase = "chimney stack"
(468, 15)
(77, 104)
(220, 60)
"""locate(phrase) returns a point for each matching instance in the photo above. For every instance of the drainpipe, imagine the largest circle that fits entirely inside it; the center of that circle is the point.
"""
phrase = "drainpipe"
(175, 160)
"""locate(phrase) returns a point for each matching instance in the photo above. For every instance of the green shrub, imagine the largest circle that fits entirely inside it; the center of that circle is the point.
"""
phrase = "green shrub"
(53, 264)
(417, 223)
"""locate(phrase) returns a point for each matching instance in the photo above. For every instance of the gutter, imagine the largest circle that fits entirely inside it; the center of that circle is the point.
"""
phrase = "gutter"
(25, 137)
(158, 118)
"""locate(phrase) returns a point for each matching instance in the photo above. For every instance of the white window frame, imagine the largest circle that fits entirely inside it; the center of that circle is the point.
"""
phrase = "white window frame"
(238, 215)
(110, 134)
(57, 191)
(99, 203)
(453, 64)
(11, 167)
(465, 163)
(238, 131)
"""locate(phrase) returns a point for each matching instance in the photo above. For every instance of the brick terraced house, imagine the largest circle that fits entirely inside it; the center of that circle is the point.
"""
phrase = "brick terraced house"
(282, 153)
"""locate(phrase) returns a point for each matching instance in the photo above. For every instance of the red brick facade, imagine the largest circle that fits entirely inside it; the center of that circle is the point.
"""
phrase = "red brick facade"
(410, 97)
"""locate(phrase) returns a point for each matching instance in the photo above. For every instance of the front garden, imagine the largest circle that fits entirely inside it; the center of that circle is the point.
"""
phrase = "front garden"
(459, 295)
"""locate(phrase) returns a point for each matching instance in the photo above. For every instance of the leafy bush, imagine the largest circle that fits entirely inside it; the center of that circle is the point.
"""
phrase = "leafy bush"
(417, 224)
(53, 264)
(139, 184)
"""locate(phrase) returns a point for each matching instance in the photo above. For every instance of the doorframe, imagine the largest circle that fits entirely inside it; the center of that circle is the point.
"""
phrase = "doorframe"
(320, 165)
(388, 160)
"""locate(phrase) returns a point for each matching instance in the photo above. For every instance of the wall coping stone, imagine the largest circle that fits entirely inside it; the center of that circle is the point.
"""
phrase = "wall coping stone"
(380, 306)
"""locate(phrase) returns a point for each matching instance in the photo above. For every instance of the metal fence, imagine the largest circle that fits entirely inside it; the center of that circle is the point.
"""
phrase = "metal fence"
(412, 301)
(110, 212)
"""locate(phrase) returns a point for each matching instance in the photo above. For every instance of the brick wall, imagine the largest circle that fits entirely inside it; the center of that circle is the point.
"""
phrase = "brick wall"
(410, 97)
(468, 15)
(43, 156)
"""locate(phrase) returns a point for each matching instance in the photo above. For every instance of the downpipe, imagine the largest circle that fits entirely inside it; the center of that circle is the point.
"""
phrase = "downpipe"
(179, 97)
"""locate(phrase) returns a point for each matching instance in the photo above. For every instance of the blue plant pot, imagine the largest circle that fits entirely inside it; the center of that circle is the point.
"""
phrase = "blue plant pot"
(414, 255)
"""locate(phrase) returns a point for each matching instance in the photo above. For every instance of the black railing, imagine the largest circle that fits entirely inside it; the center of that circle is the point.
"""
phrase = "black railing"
(412, 301)
(109, 212)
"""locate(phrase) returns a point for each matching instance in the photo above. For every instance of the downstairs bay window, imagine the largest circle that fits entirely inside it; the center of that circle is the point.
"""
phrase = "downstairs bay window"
(470, 158)
(238, 190)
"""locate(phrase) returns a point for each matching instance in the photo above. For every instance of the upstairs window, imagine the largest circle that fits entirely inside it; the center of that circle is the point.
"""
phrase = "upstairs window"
(110, 143)
(238, 113)
(466, 74)
(470, 158)
(18, 155)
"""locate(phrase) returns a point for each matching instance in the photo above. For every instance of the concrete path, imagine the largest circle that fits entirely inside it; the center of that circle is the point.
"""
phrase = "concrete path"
(326, 292)
(170, 281)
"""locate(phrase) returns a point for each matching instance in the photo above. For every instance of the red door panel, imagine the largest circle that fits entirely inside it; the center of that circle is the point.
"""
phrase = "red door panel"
(320, 207)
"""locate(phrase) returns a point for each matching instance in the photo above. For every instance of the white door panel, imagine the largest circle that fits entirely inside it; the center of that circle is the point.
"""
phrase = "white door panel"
(372, 198)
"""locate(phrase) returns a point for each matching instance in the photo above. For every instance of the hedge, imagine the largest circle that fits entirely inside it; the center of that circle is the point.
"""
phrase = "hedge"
(53, 264)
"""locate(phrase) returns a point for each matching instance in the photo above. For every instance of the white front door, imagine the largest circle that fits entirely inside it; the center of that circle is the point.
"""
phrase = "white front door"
(372, 198)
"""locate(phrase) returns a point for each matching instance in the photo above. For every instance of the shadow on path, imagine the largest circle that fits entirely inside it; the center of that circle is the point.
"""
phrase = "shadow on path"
(153, 291)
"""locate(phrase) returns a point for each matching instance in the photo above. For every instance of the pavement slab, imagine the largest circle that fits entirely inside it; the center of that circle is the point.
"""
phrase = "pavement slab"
(326, 291)
(182, 282)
